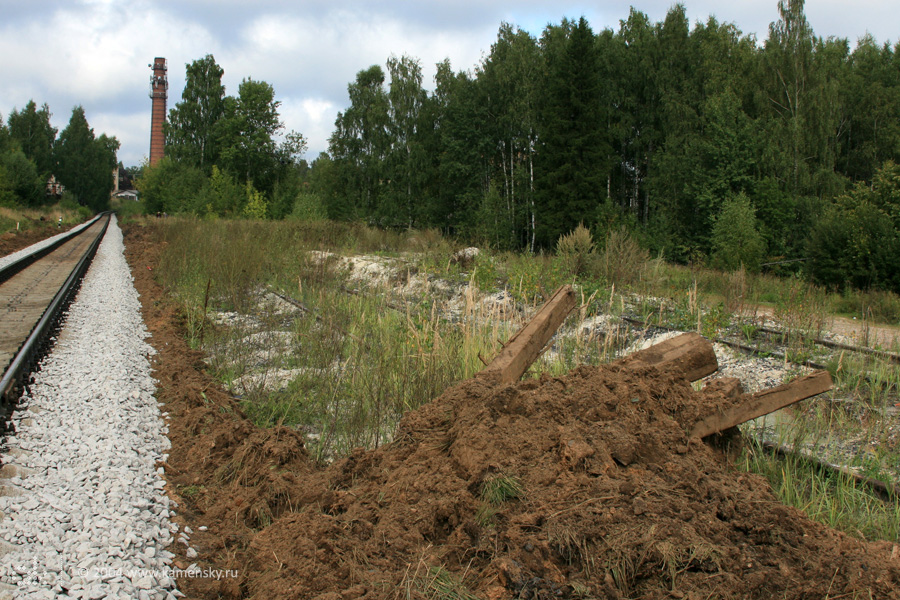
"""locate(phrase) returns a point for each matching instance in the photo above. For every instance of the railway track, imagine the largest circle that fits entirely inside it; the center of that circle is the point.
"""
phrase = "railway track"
(776, 338)
(34, 293)
(780, 339)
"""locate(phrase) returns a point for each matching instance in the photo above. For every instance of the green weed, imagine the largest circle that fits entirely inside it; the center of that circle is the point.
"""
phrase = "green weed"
(500, 488)
(358, 359)
(826, 496)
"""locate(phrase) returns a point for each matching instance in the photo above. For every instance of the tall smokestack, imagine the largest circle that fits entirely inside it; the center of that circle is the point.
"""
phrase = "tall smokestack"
(159, 91)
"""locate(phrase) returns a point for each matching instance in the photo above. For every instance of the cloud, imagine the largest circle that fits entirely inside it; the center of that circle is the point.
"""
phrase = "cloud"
(132, 130)
(310, 60)
(313, 117)
(93, 54)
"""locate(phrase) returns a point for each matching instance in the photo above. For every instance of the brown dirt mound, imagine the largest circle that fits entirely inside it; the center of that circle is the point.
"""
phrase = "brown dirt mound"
(581, 486)
(615, 502)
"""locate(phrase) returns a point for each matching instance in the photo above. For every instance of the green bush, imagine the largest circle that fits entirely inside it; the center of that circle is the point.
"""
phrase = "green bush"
(736, 239)
(308, 207)
(576, 249)
(221, 195)
(171, 187)
(622, 260)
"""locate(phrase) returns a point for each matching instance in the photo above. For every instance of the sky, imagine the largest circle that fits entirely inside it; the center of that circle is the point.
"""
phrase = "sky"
(95, 53)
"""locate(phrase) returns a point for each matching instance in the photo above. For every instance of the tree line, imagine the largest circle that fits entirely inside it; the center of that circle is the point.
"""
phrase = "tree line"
(709, 145)
(31, 152)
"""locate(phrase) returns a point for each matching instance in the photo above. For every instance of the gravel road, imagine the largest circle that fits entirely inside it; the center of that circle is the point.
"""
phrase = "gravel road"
(85, 514)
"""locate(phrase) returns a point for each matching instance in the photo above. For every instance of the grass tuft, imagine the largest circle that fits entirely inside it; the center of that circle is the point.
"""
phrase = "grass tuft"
(501, 488)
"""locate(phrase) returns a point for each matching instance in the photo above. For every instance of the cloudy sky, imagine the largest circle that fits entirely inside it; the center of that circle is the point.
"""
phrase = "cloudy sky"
(96, 52)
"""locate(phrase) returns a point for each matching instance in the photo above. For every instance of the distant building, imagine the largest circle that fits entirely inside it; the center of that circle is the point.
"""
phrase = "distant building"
(127, 195)
(121, 179)
(54, 188)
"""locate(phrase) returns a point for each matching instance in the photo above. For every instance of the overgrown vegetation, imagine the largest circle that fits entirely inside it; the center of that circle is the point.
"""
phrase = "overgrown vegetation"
(360, 354)
(23, 219)
(357, 360)
(222, 158)
(826, 496)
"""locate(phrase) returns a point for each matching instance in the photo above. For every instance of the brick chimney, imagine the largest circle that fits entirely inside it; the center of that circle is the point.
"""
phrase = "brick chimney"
(159, 92)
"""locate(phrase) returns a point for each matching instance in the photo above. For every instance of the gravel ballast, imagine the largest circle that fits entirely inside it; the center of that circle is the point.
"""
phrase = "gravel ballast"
(85, 513)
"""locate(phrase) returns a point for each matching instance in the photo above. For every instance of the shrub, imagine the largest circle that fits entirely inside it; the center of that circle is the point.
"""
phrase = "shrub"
(576, 248)
(256, 203)
(622, 260)
(308, 207)
(736, 239)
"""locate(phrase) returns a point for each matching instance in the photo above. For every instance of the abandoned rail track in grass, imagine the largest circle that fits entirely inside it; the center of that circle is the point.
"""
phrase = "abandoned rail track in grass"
(774, 333)
(34, 292)
(886, 490)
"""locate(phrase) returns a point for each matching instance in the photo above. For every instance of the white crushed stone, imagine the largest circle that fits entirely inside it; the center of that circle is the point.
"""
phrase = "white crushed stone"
(756, 373)
(93, 519)
(10, 258)
(367, 269)
(642, 343)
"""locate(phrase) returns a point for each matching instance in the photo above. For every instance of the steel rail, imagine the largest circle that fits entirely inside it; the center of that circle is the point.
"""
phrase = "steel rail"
(834, 345)
(24, 262)
(29, 353)
(886, 490)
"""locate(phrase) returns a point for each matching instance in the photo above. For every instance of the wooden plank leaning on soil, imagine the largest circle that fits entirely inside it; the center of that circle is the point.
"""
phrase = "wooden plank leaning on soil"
(764, 402)
(525, 346)
(689, 354)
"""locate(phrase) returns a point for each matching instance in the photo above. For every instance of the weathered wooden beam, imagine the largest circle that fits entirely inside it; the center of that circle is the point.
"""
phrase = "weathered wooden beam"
(728, 389)
(764, 402)
(689, 354)
(526, 345)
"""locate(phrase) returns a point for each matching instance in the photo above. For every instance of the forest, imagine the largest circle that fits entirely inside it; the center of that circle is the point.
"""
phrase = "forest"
(708, 145)
(31, 152)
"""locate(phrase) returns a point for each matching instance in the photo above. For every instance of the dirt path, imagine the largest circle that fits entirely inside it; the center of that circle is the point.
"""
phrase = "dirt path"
(859, 333)
(14, 241)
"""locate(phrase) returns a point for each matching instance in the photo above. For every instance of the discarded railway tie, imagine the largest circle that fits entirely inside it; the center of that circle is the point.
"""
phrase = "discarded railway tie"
(689, 355)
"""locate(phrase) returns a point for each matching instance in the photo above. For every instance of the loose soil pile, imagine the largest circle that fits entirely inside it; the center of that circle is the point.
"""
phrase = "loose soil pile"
(580, 486)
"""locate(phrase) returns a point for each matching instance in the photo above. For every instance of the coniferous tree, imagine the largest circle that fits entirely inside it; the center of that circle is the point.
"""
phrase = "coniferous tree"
(570, 183)
(464, 151)
(19, 179)
(31, 129)
(655, 124)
